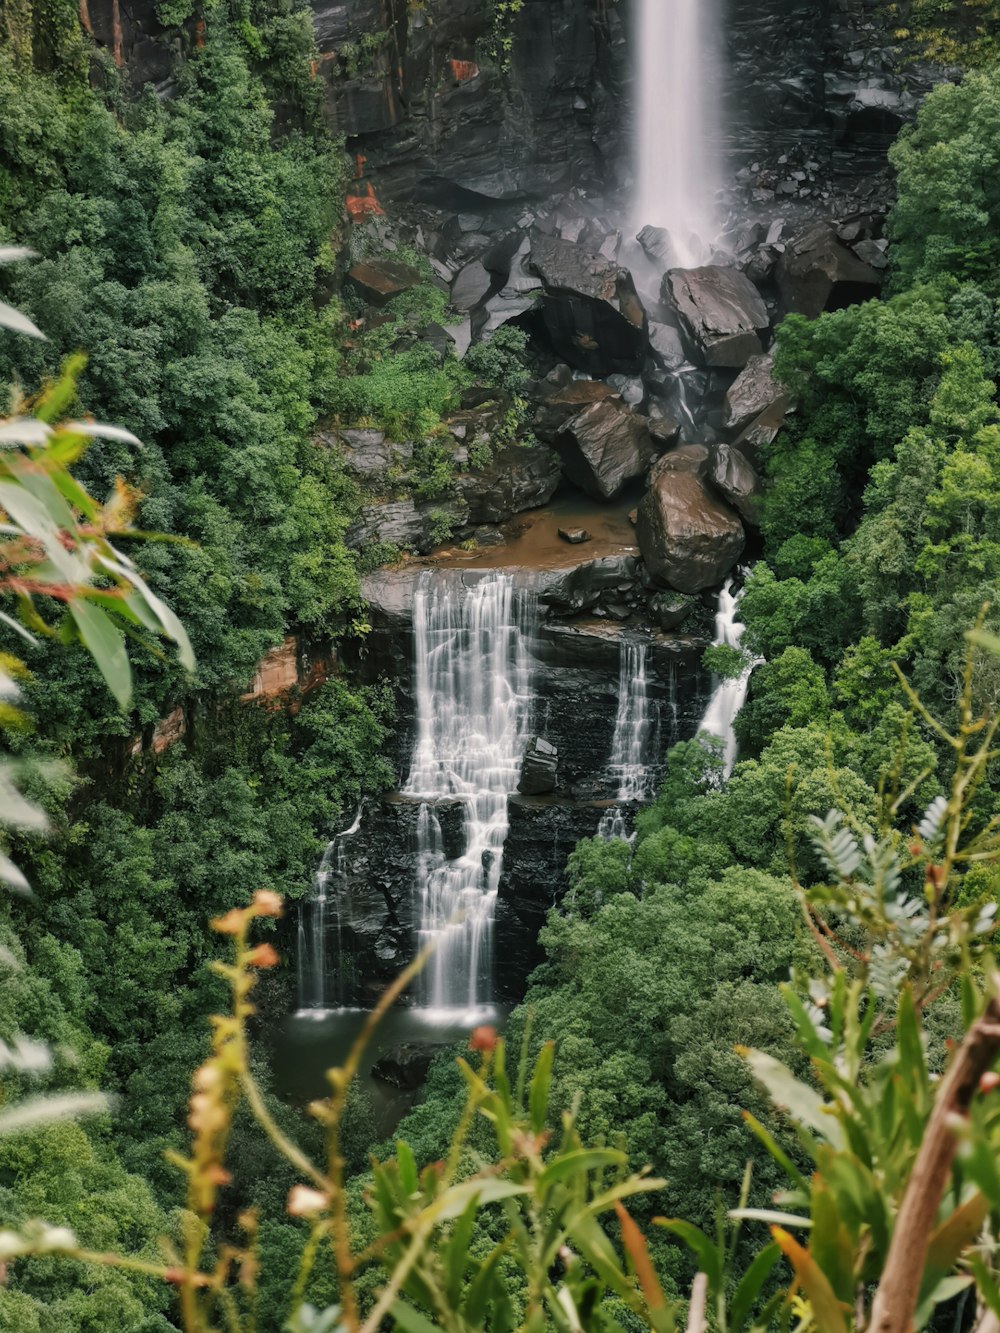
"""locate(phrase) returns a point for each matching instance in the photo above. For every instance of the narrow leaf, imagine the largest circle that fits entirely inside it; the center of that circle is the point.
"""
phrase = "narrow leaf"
(13, 319)
(106, 645)
(638, 1251)
(828, 1313)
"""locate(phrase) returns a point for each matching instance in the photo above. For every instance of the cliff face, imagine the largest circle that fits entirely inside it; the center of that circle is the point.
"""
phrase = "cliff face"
(444, 96)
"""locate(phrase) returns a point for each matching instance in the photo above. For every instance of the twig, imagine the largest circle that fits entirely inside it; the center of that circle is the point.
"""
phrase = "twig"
(898, 1291)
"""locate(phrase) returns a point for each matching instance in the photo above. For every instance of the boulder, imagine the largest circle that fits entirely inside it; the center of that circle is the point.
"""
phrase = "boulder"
(377, 281)
(685, 458)
(591, 310)
(818, 272)
(538, 771)
(670, 609)
(666, 346)
(518, 477)
(471, 285)
(554, 414)
(736, 481)
(689, 539)
(721, 311)
(753, 391)
(604, 447)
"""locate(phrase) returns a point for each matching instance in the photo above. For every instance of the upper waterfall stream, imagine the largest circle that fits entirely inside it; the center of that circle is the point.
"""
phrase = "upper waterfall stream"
(676, 124)
(472, 674)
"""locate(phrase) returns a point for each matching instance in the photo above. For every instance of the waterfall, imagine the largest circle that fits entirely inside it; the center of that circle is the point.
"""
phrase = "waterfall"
(473, 693)
(728, 696)
(677, 167)
(316, 994)
(628, 764)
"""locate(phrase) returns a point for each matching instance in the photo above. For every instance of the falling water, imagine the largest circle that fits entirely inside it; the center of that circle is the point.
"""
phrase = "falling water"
(728, 696)
(473, 688)
(317, 992)
(677, 168)
(629, 765)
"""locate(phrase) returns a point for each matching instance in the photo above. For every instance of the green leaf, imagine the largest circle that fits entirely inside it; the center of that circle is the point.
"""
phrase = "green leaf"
(750, 1286)
(776, 1151)
(579, 1161)
(408, 1177)
(456, 1252)
(710, 1259)
(486, 1281)
(538, 1095)
(106, 645)
(770, 1216)
(410, 1320)
(956, 1233)
(490, 1189)
(797, 1099)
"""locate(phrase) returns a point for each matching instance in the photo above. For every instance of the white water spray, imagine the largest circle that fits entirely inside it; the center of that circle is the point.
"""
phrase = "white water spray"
(678, 172)
(319, 992)
(473, 689)
(729, 696)
(629, 763)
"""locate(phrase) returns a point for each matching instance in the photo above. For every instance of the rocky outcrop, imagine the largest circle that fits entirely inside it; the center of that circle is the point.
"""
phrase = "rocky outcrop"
(590, 308)
(539, 771)
(377, 281)
(407, 524)
(818, 272)
(604, 447)
(689, 539)
(735, 480)
(518, 477)
(722, 313)
(752, 392)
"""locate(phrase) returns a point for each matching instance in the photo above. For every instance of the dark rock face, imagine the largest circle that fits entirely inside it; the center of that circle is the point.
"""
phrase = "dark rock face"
(519, 477)
(604, 447)
(590, 308)
(405, 1066)
(689, 540)
(722, 312)
(753, 391)
(407, 524)
(539, 770)
(366, 453)
(818, 272)
(736, 481)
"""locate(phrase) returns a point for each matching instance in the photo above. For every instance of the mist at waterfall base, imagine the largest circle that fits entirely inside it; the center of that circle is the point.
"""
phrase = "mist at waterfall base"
(677, 145)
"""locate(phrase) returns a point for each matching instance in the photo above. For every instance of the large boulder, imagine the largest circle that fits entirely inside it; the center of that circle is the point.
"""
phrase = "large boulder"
(518, 477)
(556, 411)
(818, 272)
(591, 310)
(721, 311)
(736, 481)
(689, 539)
(377, 281)
(604, 447)
(753, 391)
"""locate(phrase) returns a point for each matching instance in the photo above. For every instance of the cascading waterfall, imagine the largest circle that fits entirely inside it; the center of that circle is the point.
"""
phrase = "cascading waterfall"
(320, 984)
(629, 764)
(728, 696)
(473, 691)
(677, 151)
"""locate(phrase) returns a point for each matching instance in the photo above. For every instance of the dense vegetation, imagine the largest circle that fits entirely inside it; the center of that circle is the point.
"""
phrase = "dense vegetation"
(187, 245)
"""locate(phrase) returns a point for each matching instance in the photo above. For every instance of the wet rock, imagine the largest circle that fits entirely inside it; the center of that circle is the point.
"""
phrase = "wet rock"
(736, 481)
(722, 313)
(629, 387)
(818, 272)
(666, 345)
(657, 246)
(604, 447)
(575, 536)
(590, 308)
(670, 609)
(538, 771)
(377, 281)
(408, 525)
(685, 458)
(872, 253)
(689, 539)
(470, 286)
(762, 431)
(664, 431)
(518, 477)
(406, 1066)
(554, 414)
(753, 391)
